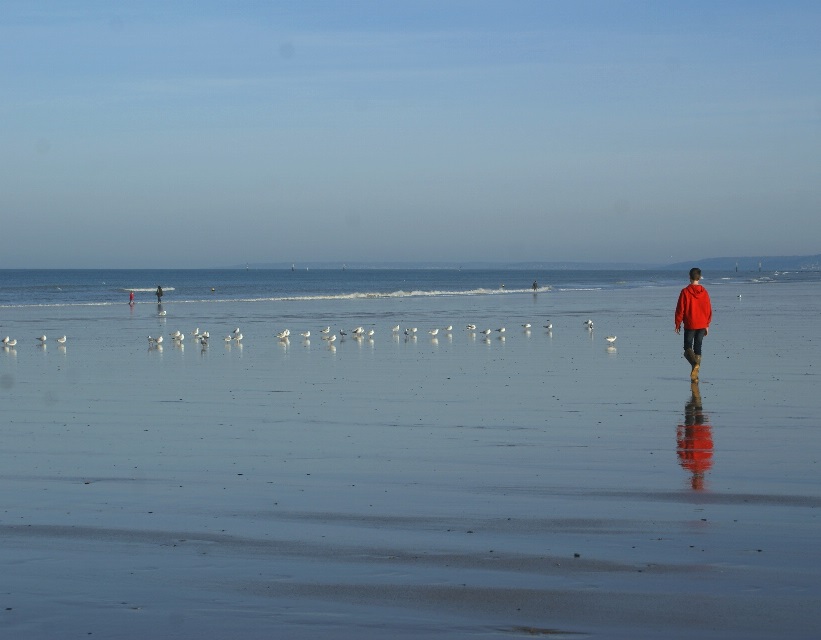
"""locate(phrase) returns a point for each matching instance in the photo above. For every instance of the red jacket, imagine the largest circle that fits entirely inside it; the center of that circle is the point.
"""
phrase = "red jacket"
(694, 308)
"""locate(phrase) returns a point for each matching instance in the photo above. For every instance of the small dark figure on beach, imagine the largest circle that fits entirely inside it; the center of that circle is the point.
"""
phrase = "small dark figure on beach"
(535, 285)
(695, 312)
(131, 298)
(159, 294)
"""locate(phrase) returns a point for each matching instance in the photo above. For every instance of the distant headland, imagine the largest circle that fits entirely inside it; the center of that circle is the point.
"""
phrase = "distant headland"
(729, 263)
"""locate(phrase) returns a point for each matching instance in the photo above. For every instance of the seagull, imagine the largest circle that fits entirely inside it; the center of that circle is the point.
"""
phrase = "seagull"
(283, 335)
(326, 330)
(433, 332)
(342, 333)
(371, 332)
(395, 329)
(175, 335)
(485, 332)
(162, 313)
(526, 325)
(238, 337)
(11, 343)
(196, 332)
(228, 338)
(549, 326)
(305, 334)
(332, 338)
(63, 339)
(358, 331)
(471, 327)
(5, 340)
(449, 328)
(236, 331)
(42, 339)
(610, 339)
(588, 323)
(501, 329)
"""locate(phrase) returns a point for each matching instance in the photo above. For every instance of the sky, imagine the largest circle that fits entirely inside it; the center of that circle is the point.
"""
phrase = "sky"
(205, 134)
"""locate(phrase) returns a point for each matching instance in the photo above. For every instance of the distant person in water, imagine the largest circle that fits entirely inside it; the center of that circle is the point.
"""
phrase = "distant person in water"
(535, 285)
(695, 312)
(131, 298)
(159, 294)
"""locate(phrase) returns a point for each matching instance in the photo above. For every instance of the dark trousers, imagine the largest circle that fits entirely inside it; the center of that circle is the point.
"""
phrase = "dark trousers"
(693, 338)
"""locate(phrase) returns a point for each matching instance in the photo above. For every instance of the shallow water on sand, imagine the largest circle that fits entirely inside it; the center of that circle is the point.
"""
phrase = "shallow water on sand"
(451, 486)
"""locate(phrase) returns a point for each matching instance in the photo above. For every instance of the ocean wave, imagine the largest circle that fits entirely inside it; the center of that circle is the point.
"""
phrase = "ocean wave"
(144, 290)
(356, 295)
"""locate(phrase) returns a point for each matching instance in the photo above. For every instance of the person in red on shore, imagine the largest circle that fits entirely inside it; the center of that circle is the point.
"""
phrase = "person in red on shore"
(695, 312)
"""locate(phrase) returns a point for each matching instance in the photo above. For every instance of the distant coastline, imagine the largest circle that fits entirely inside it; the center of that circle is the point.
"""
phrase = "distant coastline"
(727, 263)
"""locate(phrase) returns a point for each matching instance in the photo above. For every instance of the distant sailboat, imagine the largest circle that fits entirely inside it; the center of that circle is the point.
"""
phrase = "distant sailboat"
(292, 267)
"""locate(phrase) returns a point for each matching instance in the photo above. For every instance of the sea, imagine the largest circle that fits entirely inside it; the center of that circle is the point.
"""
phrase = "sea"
(34, 287)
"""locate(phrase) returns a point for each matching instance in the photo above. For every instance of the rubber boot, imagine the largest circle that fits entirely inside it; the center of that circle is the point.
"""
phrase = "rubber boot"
(690, 356)
(694, 372)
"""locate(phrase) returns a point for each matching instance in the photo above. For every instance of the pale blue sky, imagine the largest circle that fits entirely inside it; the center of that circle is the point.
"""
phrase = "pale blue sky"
(195, 134)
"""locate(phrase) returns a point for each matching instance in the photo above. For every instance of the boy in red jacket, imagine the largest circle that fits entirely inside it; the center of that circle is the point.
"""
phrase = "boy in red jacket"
(696, 312)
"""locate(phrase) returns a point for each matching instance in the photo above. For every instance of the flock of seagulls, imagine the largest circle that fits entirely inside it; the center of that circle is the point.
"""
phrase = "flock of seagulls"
(235, 337)
(10, 343)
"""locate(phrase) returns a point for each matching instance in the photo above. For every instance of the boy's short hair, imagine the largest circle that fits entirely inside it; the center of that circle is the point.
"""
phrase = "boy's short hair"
(695, 274)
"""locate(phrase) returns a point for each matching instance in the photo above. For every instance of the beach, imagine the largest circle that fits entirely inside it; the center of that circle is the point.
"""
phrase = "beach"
(531, 483)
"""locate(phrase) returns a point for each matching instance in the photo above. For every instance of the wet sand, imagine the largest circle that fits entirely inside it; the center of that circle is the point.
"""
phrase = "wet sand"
(536, 485)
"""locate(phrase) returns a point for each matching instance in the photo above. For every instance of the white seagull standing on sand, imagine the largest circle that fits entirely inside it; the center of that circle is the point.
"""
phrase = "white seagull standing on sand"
(433, 332)
(526, 326)
(548, 326)
(42, 339)
(305, 334)
(471, 327)
(5, 340)
(588, 323)
(610, 339)
(395, 329)
(283, 335)
(326, 330)
(62, 340)
(10, 343)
